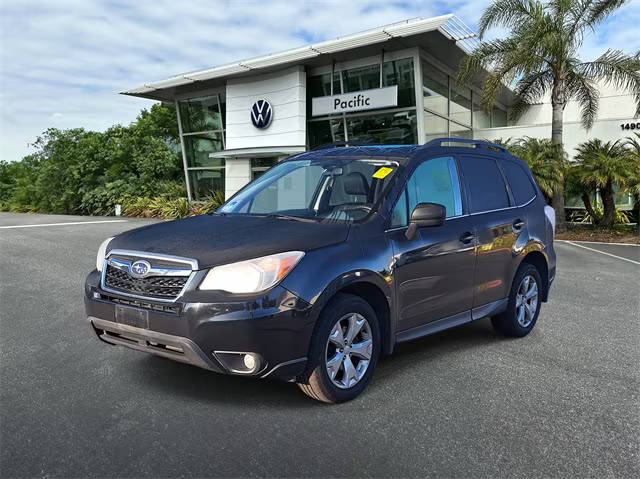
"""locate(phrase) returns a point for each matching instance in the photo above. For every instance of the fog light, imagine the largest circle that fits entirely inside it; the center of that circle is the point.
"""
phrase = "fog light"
(241, 362)
(249, 361)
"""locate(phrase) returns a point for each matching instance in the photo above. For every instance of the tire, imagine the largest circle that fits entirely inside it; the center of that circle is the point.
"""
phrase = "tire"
(350, 371)
(520, 316)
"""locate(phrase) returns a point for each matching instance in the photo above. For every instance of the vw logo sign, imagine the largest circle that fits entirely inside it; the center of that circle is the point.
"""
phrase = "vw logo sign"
(139, 269)
(261, 114)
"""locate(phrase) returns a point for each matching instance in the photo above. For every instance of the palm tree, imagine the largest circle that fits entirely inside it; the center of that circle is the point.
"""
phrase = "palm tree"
(540, 56)
(633, 147)
(540, 155)
(603, 165)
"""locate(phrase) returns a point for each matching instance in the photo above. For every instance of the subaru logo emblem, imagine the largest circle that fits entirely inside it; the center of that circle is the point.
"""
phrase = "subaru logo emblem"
(261, 114)
(139, 269)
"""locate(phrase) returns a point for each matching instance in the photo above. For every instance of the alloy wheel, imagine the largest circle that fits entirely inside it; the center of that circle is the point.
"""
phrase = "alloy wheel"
(527, 300)
(349, 349)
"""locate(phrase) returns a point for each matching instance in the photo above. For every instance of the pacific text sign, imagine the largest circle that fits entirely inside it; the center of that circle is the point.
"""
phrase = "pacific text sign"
(356, 101)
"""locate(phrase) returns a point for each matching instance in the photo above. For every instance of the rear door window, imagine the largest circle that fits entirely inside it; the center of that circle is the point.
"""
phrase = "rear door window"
(485, 185)
(519, 181)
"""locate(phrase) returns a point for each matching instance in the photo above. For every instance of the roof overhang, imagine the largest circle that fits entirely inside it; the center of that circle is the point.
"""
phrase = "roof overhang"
(259, 152)
(445, 37)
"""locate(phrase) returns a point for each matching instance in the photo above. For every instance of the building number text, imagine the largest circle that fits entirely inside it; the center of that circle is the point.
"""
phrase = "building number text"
(630, 126)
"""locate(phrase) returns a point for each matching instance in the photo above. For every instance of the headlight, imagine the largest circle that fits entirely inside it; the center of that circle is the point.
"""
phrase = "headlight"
(253, 275)
(102, 251)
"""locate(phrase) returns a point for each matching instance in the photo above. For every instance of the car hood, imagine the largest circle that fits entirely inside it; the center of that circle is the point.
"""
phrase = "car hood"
(214, 240)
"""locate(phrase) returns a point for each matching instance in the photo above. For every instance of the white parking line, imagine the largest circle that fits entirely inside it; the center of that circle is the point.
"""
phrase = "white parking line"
(601, 242)
(602, 252)
(63, 224)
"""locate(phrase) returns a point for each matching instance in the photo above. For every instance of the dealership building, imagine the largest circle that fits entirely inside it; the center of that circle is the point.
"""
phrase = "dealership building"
(393, 84)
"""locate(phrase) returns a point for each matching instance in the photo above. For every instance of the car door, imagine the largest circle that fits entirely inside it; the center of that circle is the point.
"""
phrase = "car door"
(433, 273)
(497, 228)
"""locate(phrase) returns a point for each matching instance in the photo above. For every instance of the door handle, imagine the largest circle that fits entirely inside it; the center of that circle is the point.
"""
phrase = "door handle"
(518, 224)
(467, 237)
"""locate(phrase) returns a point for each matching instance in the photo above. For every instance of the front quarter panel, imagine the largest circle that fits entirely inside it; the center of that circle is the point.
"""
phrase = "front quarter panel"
(362, 258)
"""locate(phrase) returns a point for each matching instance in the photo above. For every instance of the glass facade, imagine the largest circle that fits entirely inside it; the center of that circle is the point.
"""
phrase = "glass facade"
(321, 132)
(202, 134)
(201, 114)
(392, 125)
(447, 109)
(260, 165)
(384, 128)
(452, 110)
(198, 147)
(460, 106)
(205, 182)
(435, 91)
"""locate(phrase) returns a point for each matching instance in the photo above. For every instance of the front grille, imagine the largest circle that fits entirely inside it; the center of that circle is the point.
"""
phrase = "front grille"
(164, 287)
(138, 303)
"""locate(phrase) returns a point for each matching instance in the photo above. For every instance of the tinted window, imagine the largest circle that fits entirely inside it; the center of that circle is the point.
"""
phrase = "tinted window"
(519, 181)
(485, 185)
(436, 181)
(399, 214)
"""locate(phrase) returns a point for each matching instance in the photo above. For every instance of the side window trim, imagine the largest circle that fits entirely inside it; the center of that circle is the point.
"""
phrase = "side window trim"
(403, 191)
(464, 193)
(459, 182)
(512, 199)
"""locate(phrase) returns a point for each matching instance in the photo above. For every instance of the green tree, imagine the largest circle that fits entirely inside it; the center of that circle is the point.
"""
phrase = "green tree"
(602, 165)
(633, 148)
(541, 156)
(540, 56)
(79, 171)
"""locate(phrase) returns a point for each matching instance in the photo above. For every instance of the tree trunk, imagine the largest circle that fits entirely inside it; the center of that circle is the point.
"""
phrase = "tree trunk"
(587, 206)
(609, 205)
(636, 206)
(558, 103)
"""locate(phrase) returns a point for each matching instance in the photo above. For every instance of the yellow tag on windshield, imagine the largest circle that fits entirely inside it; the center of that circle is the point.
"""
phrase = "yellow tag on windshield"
(382, 172)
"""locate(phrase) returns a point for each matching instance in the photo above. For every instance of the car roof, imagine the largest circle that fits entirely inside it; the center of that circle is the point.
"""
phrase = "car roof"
(397, 151)
(438, 146)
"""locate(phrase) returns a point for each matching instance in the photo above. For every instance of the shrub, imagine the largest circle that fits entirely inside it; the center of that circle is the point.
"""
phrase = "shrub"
(169, 208)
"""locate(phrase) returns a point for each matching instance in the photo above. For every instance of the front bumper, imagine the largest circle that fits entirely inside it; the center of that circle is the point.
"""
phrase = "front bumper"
(276, 327)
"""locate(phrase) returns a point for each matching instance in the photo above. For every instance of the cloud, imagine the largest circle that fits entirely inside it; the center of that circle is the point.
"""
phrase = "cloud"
(62, 63)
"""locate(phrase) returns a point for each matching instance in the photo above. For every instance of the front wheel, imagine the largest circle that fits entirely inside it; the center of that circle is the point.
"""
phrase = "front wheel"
(524, 303)
(344, 350)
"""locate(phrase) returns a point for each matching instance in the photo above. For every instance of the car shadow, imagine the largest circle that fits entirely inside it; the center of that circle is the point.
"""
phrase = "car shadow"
(420, 352)
(170, 377)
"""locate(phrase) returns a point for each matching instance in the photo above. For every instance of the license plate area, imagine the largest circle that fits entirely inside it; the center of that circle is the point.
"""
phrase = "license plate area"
(138, 318)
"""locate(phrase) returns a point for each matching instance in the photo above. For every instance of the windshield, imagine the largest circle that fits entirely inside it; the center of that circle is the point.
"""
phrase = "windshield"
(336, 189)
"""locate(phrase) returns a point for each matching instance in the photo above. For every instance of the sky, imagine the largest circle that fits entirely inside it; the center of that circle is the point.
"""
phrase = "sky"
(63, 62)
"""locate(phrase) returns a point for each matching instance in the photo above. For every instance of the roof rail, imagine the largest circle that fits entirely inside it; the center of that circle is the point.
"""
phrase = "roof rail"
(477, 143)
(335, 144)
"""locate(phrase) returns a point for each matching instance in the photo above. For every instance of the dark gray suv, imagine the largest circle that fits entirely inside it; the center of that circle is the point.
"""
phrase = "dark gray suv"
(317, 268)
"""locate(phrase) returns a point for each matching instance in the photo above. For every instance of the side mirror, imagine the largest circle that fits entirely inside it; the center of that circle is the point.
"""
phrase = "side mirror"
(425, 214)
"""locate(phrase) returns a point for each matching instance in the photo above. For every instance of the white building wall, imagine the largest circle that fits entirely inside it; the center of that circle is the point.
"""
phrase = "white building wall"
(285, 90)
(615, 108)
(574, 133)
(237, 174)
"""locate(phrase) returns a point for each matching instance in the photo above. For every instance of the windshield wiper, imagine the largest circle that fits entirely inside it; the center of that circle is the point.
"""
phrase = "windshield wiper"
(289, 217)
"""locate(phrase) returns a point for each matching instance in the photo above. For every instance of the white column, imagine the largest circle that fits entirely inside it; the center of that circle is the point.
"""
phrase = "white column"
(237, 174)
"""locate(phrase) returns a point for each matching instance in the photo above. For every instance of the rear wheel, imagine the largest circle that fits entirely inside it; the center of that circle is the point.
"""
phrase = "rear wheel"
(344, 350)
(524, 303)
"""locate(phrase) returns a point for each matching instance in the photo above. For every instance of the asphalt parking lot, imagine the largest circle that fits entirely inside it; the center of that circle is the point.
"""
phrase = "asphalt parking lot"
(564, 401)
